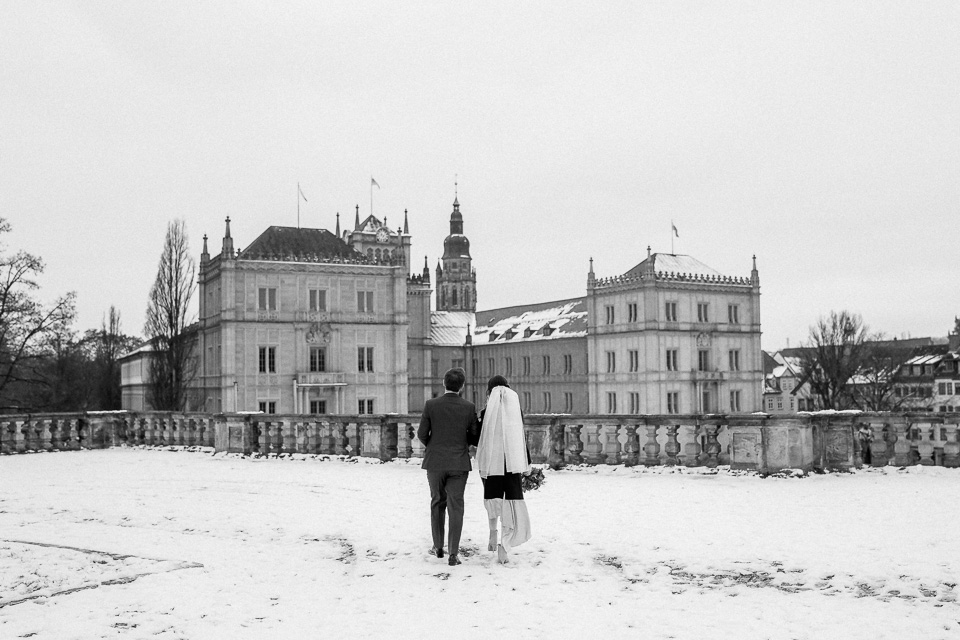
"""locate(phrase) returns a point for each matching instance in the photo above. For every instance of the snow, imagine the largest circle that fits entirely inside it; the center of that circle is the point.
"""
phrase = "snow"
(149, 543)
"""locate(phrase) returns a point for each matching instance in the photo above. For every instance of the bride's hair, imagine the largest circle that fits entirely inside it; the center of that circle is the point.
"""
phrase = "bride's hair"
(497, 381)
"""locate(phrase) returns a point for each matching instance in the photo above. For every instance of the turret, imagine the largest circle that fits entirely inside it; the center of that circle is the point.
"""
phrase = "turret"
(754, 274)
(204, 255)
(227, 251)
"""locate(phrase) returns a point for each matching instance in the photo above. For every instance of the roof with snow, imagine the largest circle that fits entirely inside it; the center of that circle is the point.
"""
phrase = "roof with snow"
(674, 263)
(527, 323)
(449, 328)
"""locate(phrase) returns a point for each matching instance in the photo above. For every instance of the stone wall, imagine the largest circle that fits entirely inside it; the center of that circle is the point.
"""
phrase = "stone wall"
(757, 442)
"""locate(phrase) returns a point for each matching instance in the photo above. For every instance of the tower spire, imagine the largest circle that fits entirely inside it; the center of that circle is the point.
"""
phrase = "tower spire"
(356, 220)
(406, 225)
(338, 224)
(227, 250)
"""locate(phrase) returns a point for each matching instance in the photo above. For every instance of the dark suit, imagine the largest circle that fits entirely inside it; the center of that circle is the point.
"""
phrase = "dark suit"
(448, 424)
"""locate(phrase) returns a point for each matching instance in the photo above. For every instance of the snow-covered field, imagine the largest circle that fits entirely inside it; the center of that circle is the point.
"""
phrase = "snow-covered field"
(138, 543)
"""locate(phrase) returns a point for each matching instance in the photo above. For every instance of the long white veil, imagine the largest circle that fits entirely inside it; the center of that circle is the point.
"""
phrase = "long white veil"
(502, 448)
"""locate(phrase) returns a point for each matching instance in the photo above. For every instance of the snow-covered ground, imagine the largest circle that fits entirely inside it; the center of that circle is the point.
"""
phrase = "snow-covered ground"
(143, 543)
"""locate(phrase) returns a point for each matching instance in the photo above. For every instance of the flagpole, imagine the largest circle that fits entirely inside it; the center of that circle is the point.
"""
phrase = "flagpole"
(671, 238)
(371, 195)
(298, 205)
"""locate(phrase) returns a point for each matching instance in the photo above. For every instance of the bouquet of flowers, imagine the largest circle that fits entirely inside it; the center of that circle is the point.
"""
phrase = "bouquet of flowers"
(532, 481)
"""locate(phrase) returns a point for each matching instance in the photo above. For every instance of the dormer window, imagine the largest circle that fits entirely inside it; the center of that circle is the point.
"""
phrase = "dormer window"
(509, 334)
(527, 332)
(546, 330)
(494, 336)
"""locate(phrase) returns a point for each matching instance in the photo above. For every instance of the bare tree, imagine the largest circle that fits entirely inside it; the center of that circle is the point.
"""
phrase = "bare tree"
(109, 345)
(834, 353)
(25, 323)
(172, 365)
(874, 386)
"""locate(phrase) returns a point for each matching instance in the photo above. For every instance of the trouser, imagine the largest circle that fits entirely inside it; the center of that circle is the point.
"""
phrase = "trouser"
(446, 494)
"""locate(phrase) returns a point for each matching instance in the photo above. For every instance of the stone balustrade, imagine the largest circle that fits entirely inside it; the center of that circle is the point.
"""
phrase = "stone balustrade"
(759, 442)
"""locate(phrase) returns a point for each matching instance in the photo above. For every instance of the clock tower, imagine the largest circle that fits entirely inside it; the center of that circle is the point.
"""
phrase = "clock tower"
(456, 278)
(374, 239)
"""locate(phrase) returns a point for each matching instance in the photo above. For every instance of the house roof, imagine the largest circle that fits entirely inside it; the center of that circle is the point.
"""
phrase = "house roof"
(294, 244)
(674, 263)
(525, 323)
(449, 328)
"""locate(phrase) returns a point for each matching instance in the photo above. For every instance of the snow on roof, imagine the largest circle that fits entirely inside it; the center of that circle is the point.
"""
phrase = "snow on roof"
(675, 263)
(544, 321)
(449, 328)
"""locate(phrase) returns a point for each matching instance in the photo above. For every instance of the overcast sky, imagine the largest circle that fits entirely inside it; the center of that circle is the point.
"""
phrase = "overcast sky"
(822, 137)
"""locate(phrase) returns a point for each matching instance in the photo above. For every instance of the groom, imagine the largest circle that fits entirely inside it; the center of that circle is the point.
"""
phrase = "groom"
(448, 425)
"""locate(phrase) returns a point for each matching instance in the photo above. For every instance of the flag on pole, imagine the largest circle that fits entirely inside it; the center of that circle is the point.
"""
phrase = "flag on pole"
(301, 192)
(373, 183)
(674, 227)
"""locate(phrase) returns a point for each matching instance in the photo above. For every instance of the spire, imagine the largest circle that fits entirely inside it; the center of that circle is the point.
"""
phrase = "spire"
(406, 226)
(439, 271)
(356, 220)
(591, 278)
(469, 339)
(426, 270)
(338, 224)
(227, 250)
(754, 274)
(456, 219)
(205, 255)
(648, 251)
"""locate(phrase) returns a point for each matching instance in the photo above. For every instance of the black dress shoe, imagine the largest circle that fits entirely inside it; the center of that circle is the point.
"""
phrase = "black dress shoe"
(454, 561)
(436, 552)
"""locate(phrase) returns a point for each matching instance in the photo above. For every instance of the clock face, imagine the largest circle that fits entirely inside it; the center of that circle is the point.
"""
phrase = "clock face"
(383, 235)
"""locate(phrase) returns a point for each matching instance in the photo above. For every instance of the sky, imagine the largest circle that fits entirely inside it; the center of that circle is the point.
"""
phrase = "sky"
(822, 137)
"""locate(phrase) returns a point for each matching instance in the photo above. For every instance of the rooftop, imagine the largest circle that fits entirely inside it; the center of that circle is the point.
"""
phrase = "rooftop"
(294, 244)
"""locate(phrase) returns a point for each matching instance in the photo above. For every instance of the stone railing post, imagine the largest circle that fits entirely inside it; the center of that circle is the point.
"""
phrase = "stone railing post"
(389, 439)
(901, 445)
(879, 455)
(340, 441)
(631, 446)
(672, 447)
(286, 438)
(951, 448)
(233, 433)
(593, 443)
(691, 450)
(6, 438)
(612, 447)
(574, 444)
(556, 446)
(405, 438)
(713, 445)
(651, 450)
(925, 447)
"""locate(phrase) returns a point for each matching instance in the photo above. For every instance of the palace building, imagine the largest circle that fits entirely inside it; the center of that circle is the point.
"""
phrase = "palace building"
(305, 321)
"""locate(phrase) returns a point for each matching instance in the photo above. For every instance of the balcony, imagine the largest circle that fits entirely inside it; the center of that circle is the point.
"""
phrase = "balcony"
(706, 376)
(321, 379)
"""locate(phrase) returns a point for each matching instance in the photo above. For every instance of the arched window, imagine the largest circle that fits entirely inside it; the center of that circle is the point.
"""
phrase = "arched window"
(378, 255)
(454, 295)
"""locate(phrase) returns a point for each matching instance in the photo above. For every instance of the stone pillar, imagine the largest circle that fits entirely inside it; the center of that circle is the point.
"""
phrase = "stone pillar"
(879, 456)
(951, 448)
(901, 445)
(233, 434)
(555, 434)
(713, 445)
(672, 447)
(389, 437)
(651, 450)
(925, 446)
(593, 445)
(404, 440)
(631, 448)
(574, 444)
(691, 450)
(6, 438)
(612, 449)
(286, 438)
(340, 440)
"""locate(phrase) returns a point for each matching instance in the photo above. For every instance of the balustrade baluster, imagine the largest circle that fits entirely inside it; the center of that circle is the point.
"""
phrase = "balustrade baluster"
(56, 439)
(44, 438)
(593, 447)
(72, 432)
(612, 449)
(631, 448)
(574, 444)
(6, 439)
(925, 446)
(651, 449)
(951, 448)
(672, 446)
(286, 438)
(901, 445)
(264, 440)
(879, 453)
(691, 450)
(713, 445)
(190, 432)
(340, 441)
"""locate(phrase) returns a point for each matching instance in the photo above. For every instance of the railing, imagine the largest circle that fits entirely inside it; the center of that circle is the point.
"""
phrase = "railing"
(761, 442)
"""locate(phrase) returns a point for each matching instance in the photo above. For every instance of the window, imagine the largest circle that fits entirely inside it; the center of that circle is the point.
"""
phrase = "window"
(779, 402)
(632, 312)
(634, 402)
(706, 403)
(318, 406)
(526, 401)
(671, 311)
(318, 300)
(546, 365)
(267, 360)
(318, 359)
(546, 402)
(672, 360)
(267, 299)
(568, 363)
(735, 401)
(491, 366)
(268, 406)
(942, 389)
(365, 406)
(610, 314)
(365, 301)
(567, 402)
(791, 403)
(508, 362)
(365, 359)
(673, 402)
(703, 360)
(769, 404)
(733, 313)
(634, 360)
(734, 357)
(456, 363)
(611, 402)
(611, 362)
(703, 312)
(526, 365)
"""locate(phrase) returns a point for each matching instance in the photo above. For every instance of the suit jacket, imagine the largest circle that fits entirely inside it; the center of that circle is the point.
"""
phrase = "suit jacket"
(447, 426)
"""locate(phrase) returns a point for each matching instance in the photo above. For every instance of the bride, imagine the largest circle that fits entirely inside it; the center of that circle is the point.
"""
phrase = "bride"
(502, 457)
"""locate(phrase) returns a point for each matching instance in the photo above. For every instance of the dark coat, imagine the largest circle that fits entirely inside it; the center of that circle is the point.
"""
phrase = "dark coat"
(448, 425)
